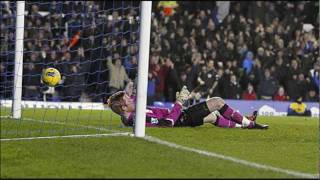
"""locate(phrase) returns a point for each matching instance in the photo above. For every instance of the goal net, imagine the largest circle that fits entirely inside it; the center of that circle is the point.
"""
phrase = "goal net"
(82, 39)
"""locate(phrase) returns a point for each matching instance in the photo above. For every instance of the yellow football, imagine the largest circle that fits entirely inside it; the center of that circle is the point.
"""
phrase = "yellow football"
(51, 77)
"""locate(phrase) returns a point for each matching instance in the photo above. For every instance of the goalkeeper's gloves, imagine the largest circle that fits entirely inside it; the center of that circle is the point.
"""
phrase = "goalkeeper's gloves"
(198, 96)
(182, 96)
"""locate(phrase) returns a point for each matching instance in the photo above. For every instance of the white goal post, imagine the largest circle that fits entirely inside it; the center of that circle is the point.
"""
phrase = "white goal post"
(144, 43)
(18, 62)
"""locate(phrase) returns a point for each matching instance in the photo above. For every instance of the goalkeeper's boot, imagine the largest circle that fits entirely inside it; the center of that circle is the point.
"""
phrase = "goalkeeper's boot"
(260, 126)
(253, 117)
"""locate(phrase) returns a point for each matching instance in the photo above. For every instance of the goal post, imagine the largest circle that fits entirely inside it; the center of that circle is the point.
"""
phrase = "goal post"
(144, 43)
(18, 64)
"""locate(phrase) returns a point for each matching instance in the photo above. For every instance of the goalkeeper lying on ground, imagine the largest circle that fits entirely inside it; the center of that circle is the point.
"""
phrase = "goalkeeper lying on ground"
(213, 110)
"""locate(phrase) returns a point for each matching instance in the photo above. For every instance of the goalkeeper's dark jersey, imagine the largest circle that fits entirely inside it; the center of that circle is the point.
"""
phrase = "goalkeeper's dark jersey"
(157, 117)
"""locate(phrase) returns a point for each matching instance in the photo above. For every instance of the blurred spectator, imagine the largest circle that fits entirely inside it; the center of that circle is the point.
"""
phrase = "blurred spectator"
(257, 11)
(5, 81)
(212, 80)
(208, 80)
(221, 82)
(31, 82)
(248, 62)
(221, 11)
(167, 7)
(74, 40)
(233, 90)
(249, 94)
(293, 69)
(201, 88)
(302, 86)
(293, 87)
(312, 96)
(183, 80)
(132, 67)
(161, 72)
(315, 75)
(280, 71)
(151, 91)
(298, 108)
(268, 86)
(73, 84)
(253, 77)
(171, 81)
(117, 74)
(280, 95)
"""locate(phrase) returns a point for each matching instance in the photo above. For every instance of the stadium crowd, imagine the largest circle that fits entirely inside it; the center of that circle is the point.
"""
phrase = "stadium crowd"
(260, 50)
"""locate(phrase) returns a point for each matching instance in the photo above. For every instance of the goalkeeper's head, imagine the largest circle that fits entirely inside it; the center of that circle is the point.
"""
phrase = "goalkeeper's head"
(120, 103)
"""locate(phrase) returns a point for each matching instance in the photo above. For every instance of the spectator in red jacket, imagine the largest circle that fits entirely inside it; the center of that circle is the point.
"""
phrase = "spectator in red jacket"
(249, 94)
(280, 95)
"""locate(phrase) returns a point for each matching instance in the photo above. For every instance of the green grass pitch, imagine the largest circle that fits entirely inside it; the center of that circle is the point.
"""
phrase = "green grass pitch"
(290, 143)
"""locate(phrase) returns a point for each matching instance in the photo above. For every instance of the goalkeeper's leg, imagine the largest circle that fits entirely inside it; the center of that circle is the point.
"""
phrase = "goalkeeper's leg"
(219, 121)
(217, 103)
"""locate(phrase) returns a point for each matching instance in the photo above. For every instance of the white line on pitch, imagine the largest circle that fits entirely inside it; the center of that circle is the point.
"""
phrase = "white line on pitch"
(68, 124)
(232, 159)
(67, 136)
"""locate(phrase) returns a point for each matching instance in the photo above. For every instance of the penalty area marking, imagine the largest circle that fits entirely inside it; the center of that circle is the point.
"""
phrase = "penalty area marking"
(169, 144)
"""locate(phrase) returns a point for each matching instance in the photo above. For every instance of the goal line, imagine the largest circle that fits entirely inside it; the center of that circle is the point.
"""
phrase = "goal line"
(67, 136)
(112, 132)
(67, 124)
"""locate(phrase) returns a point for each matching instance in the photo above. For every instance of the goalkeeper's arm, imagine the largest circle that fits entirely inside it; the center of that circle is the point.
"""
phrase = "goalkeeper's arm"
(131, 88)
(182, 96)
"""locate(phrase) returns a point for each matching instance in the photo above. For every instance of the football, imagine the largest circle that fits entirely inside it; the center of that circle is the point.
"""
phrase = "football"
(51, 77)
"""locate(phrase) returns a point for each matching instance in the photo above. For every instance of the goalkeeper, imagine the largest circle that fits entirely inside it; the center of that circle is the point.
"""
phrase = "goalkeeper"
(213, 110)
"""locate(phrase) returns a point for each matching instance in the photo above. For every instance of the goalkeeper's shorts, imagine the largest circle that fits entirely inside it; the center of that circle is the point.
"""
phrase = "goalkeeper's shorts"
(194, 115)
